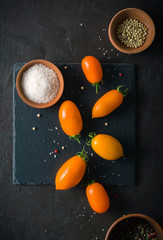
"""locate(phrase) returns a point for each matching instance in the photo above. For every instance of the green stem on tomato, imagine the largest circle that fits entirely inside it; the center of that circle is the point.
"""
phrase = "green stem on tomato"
(91, 181)
(123, 92)
(97, 85)
(83, 154)
(75, 137)
(91, 136)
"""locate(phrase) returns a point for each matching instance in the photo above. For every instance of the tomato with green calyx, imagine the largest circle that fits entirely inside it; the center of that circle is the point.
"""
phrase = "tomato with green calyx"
(72, 171)
(93, 71)
(70, 120)
(108, 102)
(106, 146)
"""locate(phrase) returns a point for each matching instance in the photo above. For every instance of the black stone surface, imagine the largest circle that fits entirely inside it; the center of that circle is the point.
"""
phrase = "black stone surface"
(34, 160)
(52, 30)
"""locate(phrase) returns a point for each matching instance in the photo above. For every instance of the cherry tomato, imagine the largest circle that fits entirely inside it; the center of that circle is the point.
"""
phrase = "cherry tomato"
(97, 197)
(106, 146)
(92, 70)
(70, 119)
(108, 102)
(71, 172)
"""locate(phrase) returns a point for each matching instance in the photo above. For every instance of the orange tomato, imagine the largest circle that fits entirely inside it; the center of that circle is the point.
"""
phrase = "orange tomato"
(70, 173)
(106, 146)
(70, 119)
(108, 102)
(97, 197)
(92, 70)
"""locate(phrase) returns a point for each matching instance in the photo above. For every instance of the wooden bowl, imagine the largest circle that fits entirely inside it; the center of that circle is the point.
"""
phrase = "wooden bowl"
(47, 64)
(133, 13)
(157, 228)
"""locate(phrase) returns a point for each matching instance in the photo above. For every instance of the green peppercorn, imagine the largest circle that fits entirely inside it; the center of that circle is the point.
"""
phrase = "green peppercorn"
(132, 33)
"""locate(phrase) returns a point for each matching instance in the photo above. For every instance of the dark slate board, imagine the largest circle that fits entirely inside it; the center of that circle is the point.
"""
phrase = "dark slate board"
(33, 158)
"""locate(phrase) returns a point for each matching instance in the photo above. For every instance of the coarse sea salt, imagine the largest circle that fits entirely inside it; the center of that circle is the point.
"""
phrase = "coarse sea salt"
(40, 84)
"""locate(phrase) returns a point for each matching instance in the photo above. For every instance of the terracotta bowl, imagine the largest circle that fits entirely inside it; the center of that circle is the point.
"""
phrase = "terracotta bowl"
(133, 13)
(47, 64)
(157, 228)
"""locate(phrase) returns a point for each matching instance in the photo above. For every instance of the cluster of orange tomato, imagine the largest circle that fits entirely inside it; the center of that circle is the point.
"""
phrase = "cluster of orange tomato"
(106, 146)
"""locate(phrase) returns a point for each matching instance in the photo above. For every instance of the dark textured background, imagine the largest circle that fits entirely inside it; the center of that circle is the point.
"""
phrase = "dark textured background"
(66, 31)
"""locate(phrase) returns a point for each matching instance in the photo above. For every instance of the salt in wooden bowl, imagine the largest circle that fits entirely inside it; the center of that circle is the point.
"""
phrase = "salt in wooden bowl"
(20, 90)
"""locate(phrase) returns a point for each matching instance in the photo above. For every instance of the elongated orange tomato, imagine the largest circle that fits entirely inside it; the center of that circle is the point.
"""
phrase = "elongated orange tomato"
(70, 119)
(71, 172)
(92, 70)
(97, 197)
(106, 146)
(108, 102)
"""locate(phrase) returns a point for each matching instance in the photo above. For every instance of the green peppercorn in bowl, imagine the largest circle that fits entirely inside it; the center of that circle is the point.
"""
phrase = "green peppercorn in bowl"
(131, 31)
(134, 227)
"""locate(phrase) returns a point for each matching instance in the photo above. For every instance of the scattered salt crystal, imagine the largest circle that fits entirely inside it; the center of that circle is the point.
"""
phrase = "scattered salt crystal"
(103, 229)
(55, 156)
(81, 24)
(44, 160)
(56, 128)
(111, 50)
(57, 143)
(40, 84)
(54, 141)
(118, 175)
(92, 154)
(113, 173)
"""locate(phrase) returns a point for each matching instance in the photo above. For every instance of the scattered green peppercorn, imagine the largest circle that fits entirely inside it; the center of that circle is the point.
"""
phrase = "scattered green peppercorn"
(132, 33)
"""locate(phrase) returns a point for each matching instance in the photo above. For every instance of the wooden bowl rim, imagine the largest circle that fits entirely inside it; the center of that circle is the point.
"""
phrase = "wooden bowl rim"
(150, 220)
(47, 64)
(135, 50)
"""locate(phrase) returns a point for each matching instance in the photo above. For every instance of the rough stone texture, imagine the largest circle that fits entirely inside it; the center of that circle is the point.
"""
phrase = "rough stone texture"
(34, 159)
(66, 31)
